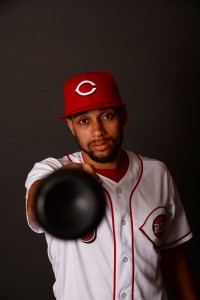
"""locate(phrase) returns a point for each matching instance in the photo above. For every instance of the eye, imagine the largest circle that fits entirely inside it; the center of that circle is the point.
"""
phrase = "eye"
(108, 116)
(83, 121)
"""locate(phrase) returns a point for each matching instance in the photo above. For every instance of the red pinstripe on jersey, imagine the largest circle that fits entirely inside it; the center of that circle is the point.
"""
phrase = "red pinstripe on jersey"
(131, 216)
(68, 156)
(114, 241)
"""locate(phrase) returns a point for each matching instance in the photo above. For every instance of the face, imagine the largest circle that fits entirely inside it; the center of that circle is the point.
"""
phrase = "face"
(99, 133)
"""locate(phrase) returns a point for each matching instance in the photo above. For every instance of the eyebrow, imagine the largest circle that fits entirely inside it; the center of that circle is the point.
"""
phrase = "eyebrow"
(80, 114)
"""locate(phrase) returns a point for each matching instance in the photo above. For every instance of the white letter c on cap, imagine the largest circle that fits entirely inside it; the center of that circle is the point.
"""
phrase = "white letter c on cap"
(77, 90)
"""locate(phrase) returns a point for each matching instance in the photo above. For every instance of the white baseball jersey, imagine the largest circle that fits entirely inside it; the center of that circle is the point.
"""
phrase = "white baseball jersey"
(120, 259)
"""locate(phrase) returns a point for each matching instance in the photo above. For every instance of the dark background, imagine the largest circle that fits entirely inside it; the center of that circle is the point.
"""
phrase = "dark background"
(152, 49)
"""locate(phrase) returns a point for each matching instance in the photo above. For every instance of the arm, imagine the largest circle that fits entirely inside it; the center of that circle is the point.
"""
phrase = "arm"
(176, 271)
(31, 199)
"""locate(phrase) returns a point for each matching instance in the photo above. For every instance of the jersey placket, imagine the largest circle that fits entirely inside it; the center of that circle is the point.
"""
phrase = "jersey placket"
(124, 244)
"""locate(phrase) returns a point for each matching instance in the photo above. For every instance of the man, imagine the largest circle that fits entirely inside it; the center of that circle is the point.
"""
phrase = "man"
(144, 221)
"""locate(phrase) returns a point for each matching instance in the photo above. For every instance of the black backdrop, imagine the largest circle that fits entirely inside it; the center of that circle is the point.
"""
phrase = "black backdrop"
(152, 49)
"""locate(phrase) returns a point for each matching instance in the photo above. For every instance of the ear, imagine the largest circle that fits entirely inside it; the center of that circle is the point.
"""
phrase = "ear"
(124, 114)
(70, 125)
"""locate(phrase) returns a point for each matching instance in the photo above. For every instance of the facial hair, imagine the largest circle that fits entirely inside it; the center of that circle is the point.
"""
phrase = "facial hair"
(102, 159)
(113, 151)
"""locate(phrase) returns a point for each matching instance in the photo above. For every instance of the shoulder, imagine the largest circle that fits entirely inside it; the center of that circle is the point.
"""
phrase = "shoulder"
(55, 163)
(153, 163)
(148, 164)
(47, 166)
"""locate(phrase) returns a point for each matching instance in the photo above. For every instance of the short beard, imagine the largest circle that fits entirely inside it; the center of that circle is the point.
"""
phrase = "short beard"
(104, 159)
(112, 154)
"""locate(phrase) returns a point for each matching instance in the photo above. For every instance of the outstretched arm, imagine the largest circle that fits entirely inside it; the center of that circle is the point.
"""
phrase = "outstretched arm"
(176, 271)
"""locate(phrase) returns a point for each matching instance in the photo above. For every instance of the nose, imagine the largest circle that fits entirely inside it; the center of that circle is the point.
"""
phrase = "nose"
(98, 129)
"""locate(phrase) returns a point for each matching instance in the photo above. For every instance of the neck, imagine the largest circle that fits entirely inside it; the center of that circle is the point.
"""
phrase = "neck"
(108, 165)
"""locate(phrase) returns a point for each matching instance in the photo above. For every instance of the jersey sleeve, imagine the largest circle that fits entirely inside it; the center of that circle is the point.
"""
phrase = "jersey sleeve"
(39, 171)
(177, 229)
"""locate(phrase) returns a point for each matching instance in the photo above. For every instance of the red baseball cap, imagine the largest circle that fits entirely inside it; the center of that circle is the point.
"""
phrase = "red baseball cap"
(89, 91)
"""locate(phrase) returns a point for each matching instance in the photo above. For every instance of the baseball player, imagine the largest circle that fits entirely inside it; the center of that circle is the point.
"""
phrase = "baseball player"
(138, 241)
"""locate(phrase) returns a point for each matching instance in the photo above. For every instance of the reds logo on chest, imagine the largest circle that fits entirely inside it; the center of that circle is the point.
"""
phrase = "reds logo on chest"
(158, 226)
(154, 225)
(89, 238)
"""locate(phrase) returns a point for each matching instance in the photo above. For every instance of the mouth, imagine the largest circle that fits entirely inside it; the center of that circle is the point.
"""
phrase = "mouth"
(100, 145)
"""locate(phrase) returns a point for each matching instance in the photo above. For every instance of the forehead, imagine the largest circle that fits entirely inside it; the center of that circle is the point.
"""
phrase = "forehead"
(96, 111)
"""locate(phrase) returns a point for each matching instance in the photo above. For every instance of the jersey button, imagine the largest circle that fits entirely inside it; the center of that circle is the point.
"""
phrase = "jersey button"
(119, 190)
(123, 222)
(124, 295)
(125, 259)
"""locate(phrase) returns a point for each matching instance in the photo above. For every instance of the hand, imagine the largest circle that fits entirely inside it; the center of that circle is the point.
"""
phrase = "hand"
(70, 202)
